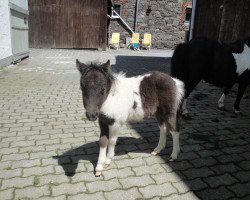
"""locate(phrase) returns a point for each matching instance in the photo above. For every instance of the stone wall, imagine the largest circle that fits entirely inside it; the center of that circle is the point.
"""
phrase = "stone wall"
(163, 22)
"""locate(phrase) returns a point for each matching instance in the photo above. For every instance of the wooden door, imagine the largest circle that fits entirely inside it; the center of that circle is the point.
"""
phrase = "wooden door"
(68, 24)
(223, 20)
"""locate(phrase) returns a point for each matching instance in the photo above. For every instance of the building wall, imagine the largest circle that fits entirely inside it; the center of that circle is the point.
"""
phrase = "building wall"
(5, 33)
(164, 21)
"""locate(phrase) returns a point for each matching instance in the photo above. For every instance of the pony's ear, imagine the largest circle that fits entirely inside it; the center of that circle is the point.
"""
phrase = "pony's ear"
(81, 66)
(106, 66)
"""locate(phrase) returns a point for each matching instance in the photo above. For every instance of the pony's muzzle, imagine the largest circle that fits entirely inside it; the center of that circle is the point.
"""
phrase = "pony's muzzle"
(92, 116)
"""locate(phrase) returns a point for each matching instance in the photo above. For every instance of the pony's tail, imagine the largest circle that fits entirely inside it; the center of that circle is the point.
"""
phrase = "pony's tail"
(180, 92)
(179, 62)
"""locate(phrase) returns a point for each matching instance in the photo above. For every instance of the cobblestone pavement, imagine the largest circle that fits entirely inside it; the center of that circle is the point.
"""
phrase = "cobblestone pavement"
(48, 149)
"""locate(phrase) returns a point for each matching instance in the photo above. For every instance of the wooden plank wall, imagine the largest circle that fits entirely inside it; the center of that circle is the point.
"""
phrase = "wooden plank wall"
(68, 24)
(224, 20)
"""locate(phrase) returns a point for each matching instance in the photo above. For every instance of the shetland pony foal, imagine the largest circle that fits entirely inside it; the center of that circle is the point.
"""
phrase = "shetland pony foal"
(115, 99)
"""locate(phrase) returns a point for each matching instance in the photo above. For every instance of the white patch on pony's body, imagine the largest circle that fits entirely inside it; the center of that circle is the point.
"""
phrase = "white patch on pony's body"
(242, 60)
(124, 93)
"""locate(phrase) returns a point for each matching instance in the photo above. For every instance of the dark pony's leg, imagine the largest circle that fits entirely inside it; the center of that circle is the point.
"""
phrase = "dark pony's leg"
(221, 104)
(189, 86)
(243, 83)
(103, 142)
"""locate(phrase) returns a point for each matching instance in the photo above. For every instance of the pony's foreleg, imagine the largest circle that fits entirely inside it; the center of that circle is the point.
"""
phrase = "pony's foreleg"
(162, 141)
(103, 142)
(113, 132)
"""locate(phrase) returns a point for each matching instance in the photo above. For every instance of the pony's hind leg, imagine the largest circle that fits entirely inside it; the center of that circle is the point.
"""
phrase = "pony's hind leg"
(163, 139)
(241, 89)
(174, 130)
(221, 105)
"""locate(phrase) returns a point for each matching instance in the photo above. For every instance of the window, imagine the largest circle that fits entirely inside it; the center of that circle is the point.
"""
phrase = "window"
(117, 8)
(188, 14)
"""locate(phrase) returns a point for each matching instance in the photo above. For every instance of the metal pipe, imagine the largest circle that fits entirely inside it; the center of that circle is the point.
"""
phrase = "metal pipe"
(191, 35)
(136, 14)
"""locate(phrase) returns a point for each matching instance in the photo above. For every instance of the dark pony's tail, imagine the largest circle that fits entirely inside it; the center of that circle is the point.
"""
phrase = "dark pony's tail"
(179, 61)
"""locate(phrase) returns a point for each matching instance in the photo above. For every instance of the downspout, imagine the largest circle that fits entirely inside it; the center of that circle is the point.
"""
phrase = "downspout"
(136, 14)
(191, 35)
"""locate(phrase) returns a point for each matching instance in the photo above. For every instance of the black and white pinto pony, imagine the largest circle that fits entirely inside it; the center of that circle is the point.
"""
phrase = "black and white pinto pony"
(219, 64)
(114, 99)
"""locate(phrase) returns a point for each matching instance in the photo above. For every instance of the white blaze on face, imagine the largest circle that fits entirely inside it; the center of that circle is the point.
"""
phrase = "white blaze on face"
(242, 60)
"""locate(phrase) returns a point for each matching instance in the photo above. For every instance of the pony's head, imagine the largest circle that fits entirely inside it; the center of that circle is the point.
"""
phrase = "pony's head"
(95, 82)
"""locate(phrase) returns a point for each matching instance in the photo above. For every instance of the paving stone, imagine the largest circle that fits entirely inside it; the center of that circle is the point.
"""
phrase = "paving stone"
(95, 196)
(215, 181)
(38, 171)
(136, 181)
(245, 165)
(220, 193)
(196, 173)
(109, 185)
(204, 162)
(240, 189)
(157, 190)
(52, 179)
(152, 169)
(17, 156)
(9, 173)
(242, 176)
(7, 194)
(66, 188)
(129, 162)
(225, 168)
(118, 173)
(196, 184)
(186, 196)
(166, 177)
(123, 194)
(25, 163)
(62, 197)
(17, 182)
(32, 192)
(182, 187)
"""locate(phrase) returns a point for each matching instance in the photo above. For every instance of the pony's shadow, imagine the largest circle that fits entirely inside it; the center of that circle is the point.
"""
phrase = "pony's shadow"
(89, 152)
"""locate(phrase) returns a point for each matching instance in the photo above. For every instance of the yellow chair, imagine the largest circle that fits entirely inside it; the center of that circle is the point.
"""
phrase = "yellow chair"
(135, 41)
(146, 43)
(115, 40)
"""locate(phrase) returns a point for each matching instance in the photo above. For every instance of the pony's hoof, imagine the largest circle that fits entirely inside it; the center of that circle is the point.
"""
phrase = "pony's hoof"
(98, 173)
(221, 108)
(154, 153)
(237, 112)
(107, 162)
(171, 159)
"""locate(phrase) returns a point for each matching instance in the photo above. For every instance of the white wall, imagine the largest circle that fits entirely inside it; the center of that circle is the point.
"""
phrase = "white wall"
(5, 31)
